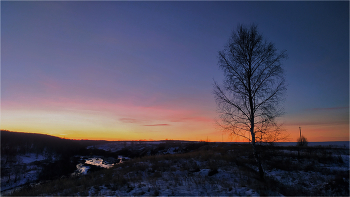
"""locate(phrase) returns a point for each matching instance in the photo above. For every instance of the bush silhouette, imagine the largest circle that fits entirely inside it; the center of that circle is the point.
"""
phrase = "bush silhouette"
(302, 141)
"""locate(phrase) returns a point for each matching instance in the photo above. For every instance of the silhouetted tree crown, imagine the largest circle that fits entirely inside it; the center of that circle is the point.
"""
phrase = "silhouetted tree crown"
(254, 84)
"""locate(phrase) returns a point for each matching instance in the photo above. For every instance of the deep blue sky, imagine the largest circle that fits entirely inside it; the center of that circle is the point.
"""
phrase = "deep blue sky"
(131, 64)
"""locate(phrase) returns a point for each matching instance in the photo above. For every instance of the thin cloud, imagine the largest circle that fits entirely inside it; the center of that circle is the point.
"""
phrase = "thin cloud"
(195, 119)
(128, 120)
(156, 125)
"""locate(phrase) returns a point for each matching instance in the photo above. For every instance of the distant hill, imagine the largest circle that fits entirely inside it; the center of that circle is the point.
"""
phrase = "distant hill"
(32, 142)
(30, 157)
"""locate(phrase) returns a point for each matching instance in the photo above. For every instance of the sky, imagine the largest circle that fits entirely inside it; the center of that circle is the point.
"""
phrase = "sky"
(145, 70)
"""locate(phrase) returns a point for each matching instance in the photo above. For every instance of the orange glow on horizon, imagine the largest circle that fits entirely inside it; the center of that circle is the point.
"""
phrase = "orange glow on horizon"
(309, 134)
(100, 120)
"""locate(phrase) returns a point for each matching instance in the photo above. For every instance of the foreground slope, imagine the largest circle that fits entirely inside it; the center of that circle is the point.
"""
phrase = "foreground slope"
(210, 169)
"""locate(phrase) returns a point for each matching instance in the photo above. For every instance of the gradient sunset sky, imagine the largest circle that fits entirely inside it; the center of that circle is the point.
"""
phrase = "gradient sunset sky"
(144, 70)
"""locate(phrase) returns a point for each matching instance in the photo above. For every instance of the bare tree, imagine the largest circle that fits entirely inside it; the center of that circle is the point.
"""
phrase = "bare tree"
(249, 99)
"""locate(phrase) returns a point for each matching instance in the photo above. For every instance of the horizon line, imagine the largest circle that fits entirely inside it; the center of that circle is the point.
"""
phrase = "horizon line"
(153, 140)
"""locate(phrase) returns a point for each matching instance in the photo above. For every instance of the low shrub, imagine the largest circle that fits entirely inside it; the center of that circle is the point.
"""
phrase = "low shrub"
(302, 141)
(212, 172)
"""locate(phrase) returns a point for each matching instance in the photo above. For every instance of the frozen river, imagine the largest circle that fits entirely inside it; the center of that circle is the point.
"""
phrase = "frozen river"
(83, 168)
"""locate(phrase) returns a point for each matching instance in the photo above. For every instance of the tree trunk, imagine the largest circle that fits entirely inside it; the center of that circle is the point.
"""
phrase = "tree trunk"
(255, 152)
(252, 116)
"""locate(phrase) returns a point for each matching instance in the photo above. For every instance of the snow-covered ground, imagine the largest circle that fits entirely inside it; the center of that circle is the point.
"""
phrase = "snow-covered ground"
(32, 157)
(178, 182)
(82, 169)
(313, 173)
(213, 169)
(119, 145)
(25, 170)
(341, 144)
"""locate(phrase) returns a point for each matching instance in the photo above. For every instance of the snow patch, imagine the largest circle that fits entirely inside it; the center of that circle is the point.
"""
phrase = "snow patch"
(98, 162)
(32, 157)
(82, 169)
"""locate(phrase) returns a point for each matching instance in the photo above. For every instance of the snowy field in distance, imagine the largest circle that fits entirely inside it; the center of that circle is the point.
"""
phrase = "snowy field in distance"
(340, 144)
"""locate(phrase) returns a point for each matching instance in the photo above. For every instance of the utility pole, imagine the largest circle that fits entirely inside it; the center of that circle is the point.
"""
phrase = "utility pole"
(300, 144)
